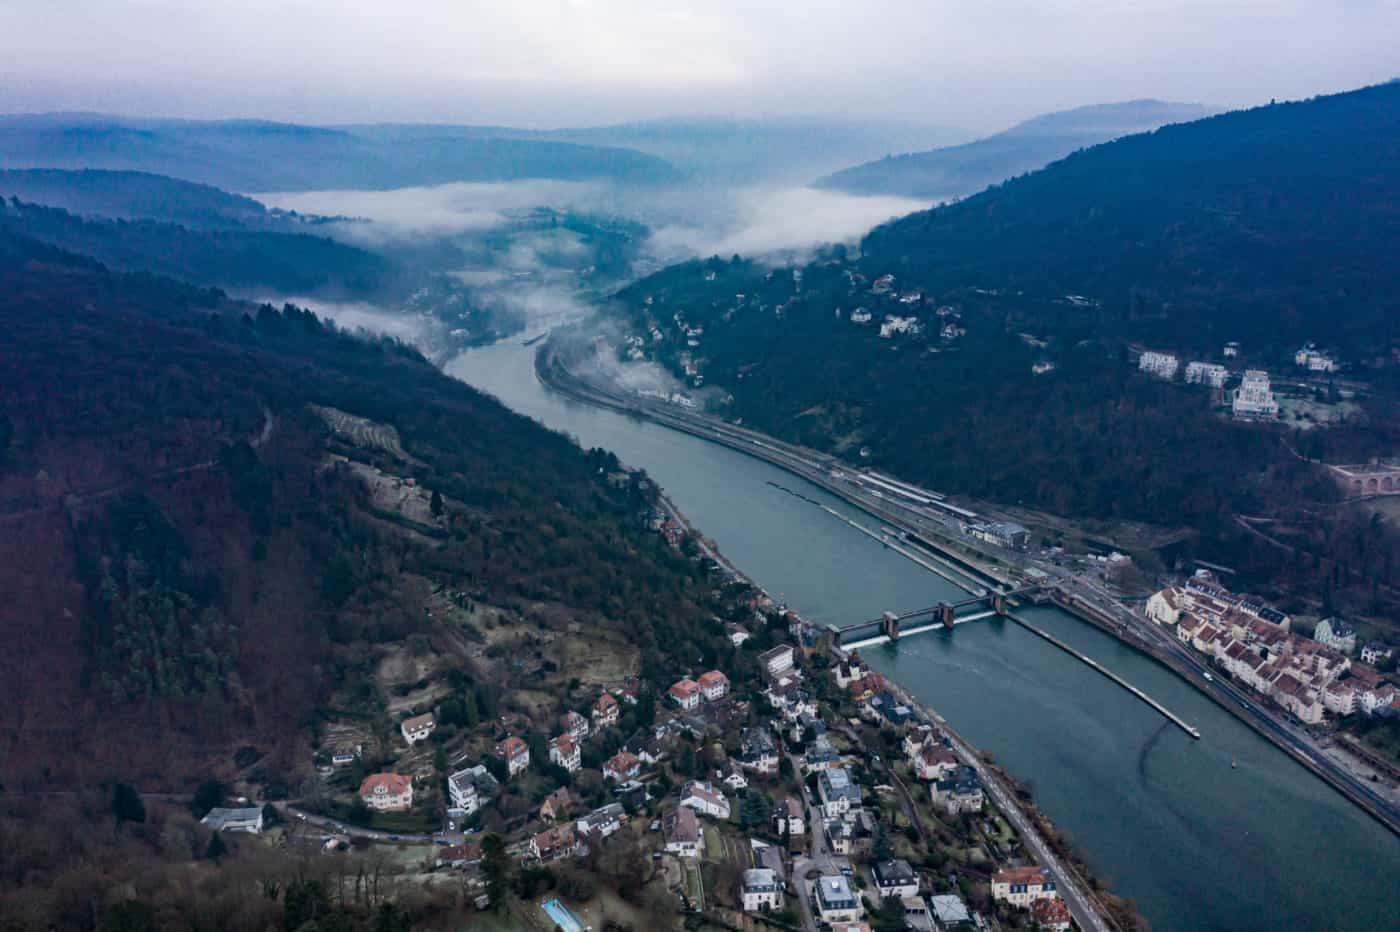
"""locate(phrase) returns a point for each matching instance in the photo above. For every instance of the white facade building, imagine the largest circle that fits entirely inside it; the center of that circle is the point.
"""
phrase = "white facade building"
(1162, 365)
(1206, 373)
(1254, 400)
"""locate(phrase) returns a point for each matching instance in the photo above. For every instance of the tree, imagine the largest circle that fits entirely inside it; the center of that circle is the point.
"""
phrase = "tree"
(217, 848)
(211, 793)
(754, 809)
(127, 805)
(128, 916)
(889, 917)
(271, 816)
(305, 901)
(358, 812)
(495, 867)
(435, 503)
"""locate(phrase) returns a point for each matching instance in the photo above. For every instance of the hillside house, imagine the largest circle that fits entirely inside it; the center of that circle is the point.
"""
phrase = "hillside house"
(469, 789)
(387, 792)
(564, 752)
(605, 712)
(787, 817)
(574, 725)
(248, 820)
(622, 767)
(895, 878)
(762, 891)
(714, 685)
(680, 830)
(1022, 886)
(516, 754)
(705, 799)
(417, 728)
(685, 693)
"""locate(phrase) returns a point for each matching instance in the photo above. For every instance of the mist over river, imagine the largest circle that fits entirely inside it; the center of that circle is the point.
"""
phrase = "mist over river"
(1166, 820)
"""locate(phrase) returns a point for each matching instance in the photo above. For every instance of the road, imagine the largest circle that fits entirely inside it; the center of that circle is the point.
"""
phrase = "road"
(354, 831)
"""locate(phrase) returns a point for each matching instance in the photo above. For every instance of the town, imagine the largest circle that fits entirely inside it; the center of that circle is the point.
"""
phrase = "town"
(794, 789)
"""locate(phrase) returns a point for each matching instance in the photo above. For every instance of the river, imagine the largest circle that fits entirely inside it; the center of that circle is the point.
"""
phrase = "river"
(1164, 819)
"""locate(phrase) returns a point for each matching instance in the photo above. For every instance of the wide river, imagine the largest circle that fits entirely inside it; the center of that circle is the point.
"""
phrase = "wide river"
(1164, 819)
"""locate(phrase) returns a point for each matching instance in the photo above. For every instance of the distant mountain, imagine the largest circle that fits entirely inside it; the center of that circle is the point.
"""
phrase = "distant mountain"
(785, 150)
(130, 195)
(241, 155)
(955, 171)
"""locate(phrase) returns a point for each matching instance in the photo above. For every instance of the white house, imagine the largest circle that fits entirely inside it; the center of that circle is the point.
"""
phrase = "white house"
(1022, 886)
(1162, 365)
(387, 792)
(681, 831)
(839, 793)
(471, 787)
(685, 693)
(705, 799)
(605, 711)
(621, 767)
(834, 899)
(1336, 634)
(1254, 399)
(516, 754)
(564, 752)
(895, 878)
(776, 661)
(1206, 373)
(762, 890)
(574, 725)
(713, 685)
(417, 728)
(1375, 652)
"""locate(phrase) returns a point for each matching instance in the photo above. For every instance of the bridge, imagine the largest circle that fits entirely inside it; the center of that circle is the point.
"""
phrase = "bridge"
(889, 624)
(887, 628)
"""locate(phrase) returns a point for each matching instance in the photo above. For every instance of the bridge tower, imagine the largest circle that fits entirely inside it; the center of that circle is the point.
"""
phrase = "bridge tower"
(889, 626)
(999, 602)
(945, 614)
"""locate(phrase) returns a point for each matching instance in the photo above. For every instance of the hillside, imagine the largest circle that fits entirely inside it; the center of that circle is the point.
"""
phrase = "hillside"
(1006, 371)
(955, 171)
(1271, 226)
(129, 195)
(236, 257)
(229, 528)
(259, 156)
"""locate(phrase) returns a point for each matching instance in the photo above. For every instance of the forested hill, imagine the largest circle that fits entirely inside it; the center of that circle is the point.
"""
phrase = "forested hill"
(1273, 226)
(131, 195)
(955, 171)
(236, 257)
(220, 521)
(242, 155)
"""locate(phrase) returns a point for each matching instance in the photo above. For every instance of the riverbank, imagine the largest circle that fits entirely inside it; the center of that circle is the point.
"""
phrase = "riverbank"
(815, 468)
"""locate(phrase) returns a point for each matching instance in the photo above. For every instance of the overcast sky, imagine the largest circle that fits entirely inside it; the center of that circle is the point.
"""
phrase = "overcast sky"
(979, 64)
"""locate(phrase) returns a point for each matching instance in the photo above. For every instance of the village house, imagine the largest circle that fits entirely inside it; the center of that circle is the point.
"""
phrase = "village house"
(564, 752)
(574, 725)
(1162, 365)
(848, 671)
(862, 688)
(731, 776)
(249, 820)
(821, 755)
(1051, 913)
(838, 792)
(933, 762)
(776, 661)
(1022, 886)
(705, 799)
(757, 751)
(713, 685)
(950, 911)
(621, 767)
(834, 899)
(685, 693)
(557, 804)
(601, 822)
(458, 856)
(470, 788)
(516, 754)
(605, 712)
(417, 728)
(554, 843)
(762, 890)
(787, 818)
(736, 633)
(895, 878)
(1374, 652)
(387, 792)
(1336, 634)
(960, 791)
(681, 831)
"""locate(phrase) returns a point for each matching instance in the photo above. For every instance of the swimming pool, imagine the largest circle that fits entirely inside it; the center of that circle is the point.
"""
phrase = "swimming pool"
(561, 916)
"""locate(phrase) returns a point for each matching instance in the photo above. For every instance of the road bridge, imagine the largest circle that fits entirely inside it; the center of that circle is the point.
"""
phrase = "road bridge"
(890, 624)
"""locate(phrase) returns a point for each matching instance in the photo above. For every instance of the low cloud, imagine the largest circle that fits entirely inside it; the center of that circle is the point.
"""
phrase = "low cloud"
(766, 221)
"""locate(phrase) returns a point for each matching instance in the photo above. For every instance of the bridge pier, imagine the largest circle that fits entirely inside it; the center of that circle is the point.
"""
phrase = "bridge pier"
(945, 614)
(999, 603)
(889, 626)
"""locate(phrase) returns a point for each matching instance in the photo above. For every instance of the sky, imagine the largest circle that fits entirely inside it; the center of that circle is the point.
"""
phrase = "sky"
(976, 64)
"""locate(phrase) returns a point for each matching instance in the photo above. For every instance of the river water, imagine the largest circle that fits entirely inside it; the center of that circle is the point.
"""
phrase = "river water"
(1165, 819)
